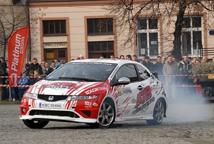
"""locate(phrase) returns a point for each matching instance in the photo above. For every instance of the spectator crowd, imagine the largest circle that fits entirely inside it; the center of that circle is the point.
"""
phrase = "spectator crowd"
(168, 68)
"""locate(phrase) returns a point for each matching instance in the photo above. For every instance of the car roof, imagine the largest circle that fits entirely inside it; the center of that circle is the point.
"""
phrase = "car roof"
(113, 61)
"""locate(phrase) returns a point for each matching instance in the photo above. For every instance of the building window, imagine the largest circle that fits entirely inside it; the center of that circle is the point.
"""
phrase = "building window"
(100, 49)
(55, 53)
(54, 27)
(191, 36)
(100, 26)
(147, 36)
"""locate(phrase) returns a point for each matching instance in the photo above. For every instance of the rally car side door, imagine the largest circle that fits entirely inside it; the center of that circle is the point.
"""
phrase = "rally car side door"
(126, 94)
(145, 96)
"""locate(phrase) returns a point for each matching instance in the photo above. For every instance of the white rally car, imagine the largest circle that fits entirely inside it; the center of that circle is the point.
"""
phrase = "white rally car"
(96, 92)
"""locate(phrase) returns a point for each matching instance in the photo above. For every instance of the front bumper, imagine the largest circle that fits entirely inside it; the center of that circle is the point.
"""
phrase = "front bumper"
(78, 119)
(63, 110)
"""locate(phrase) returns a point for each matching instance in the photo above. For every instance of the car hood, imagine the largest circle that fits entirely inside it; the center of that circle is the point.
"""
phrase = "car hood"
(63, 87)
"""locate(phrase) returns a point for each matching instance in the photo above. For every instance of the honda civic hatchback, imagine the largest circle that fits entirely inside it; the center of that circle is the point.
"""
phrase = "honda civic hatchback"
(97, 92)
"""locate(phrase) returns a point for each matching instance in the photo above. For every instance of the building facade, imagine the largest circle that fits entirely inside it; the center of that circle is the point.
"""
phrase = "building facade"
(13, 15)
(67, 29)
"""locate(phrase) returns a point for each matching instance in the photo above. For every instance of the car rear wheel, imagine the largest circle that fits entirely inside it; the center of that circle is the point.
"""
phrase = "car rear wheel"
(35, 124)
(106, 114)
(158, 113)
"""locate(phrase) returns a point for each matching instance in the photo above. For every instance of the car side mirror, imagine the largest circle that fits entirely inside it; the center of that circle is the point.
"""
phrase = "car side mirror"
(122, 81)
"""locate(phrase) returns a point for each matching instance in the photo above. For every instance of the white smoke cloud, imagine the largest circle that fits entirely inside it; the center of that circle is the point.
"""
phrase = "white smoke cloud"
(187, 106)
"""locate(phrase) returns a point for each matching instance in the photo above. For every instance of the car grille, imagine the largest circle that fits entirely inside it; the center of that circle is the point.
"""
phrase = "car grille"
(52, 98)
(54, 113)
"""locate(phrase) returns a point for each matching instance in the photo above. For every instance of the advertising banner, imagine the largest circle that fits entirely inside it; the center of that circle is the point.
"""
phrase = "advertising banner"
(17, 46)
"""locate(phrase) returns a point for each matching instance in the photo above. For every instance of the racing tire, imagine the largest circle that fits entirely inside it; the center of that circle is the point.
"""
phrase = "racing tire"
(35, 124)
(158, 113)
(106, 115)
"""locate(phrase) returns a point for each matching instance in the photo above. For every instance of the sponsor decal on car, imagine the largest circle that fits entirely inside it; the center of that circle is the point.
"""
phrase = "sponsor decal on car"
(87, 103)
(93, 90)
(145, 106)
(143, 96)
(144, 99)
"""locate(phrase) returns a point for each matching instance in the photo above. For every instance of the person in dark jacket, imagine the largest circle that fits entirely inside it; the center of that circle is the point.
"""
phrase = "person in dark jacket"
(185, 66)
(135, 58)
(35, 66)
(128, 57)
(185, 69)
(47, 69)
(3, 72)
(35, 78)
(158, 66)
(147, 63)
(27, 68)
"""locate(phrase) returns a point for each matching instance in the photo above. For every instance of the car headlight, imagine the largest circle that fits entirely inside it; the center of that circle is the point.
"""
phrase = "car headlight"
(31, 95)
(89, 97)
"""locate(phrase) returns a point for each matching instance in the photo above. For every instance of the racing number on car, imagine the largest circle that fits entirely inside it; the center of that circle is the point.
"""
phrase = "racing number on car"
(143, 96)
(71, 104)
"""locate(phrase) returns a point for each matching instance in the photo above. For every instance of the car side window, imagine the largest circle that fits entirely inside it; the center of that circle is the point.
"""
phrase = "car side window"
(128, 71)
(143, 73)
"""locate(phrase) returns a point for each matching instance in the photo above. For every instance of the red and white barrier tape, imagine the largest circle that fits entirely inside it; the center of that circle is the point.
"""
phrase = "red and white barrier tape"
(17, 77)
(18, 86)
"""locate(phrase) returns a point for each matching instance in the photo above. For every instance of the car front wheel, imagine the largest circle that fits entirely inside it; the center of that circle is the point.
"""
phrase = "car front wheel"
(106, 114)
(158, 113)
(35, 124)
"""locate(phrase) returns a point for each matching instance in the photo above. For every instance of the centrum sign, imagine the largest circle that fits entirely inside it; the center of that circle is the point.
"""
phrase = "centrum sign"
(17, 46)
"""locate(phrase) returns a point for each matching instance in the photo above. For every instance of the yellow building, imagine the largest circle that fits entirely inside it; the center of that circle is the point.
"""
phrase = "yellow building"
(13, 15)
(65, 29)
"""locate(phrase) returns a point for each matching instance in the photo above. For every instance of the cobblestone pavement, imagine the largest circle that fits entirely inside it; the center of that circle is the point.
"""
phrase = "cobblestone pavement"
(13, 131)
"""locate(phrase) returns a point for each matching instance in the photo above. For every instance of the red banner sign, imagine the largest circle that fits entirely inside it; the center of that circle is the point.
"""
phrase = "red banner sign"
(17, 45)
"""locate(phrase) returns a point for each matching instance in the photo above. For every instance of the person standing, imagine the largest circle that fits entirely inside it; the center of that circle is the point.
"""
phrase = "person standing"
(36, 77)
(170, 70)
(185, 69)
(135, 58)
(27, 68)
(184, 66)
(47, 69)
(158, 66)
(3, 79)
(35, 66)
(122, 57)
(128, 57)
(147, 62)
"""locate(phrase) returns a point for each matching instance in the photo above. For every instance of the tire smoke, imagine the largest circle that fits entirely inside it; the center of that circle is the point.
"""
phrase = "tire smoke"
(185, 105)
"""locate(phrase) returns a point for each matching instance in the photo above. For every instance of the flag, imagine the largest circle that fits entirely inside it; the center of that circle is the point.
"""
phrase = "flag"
(17, 46)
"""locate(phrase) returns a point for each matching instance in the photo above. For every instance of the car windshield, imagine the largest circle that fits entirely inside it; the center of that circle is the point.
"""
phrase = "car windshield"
(83, 71)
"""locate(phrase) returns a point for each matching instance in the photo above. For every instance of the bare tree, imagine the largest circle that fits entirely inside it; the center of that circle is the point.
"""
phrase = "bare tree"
(11, 18)
(129, 11)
